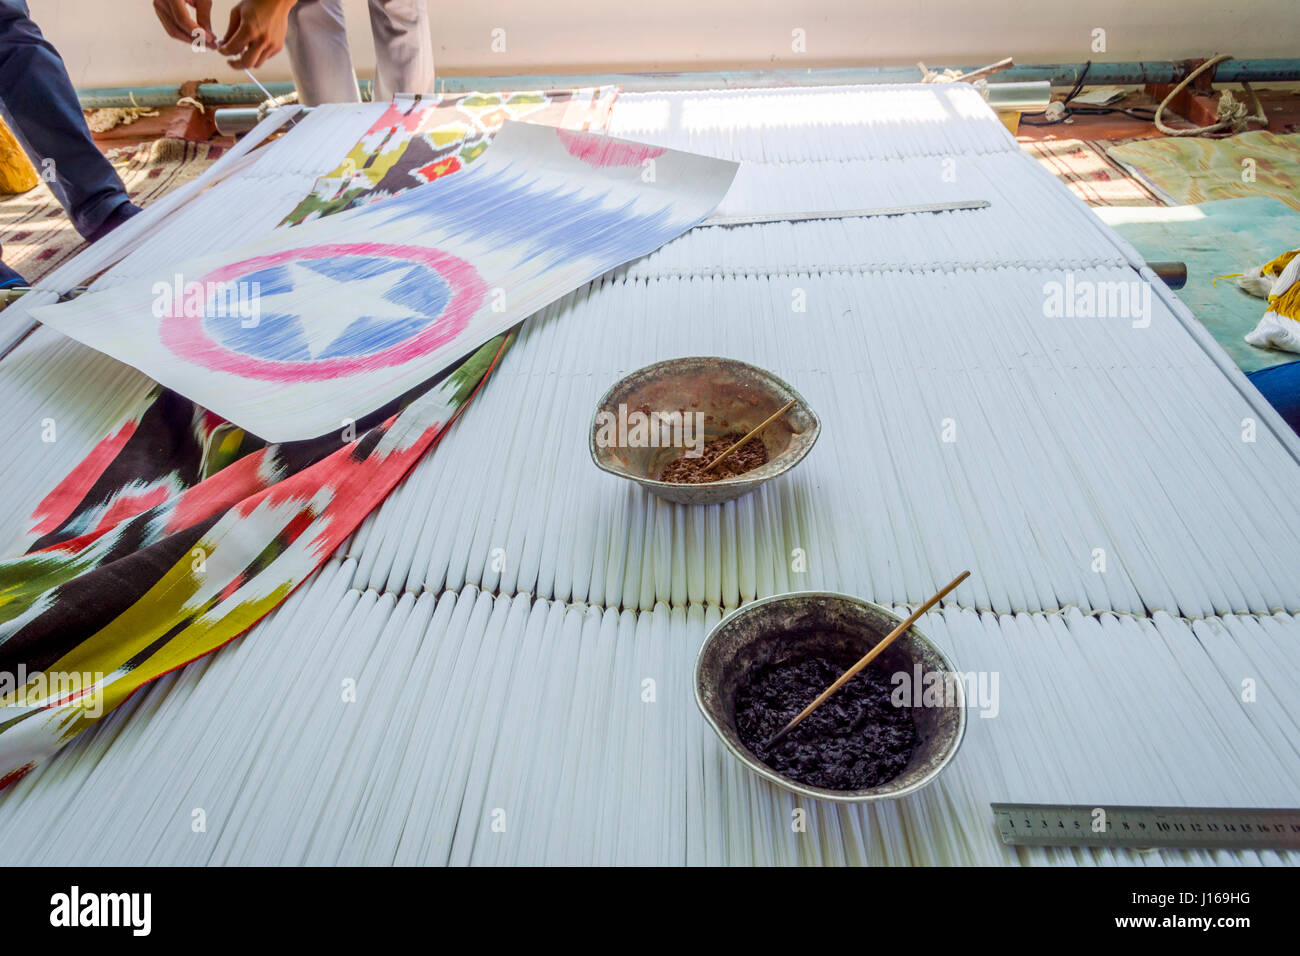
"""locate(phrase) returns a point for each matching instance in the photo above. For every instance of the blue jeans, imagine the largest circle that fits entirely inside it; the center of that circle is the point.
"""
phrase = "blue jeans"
(39, 104)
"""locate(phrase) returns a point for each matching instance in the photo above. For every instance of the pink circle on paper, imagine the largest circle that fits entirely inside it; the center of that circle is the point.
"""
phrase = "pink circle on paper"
(601, 151)
(186, 337)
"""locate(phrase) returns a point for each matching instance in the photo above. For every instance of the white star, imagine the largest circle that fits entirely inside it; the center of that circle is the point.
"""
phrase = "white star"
(327, 307)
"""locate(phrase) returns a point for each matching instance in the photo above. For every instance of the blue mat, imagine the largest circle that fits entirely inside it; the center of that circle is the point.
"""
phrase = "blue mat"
(1280, 384)
(1216, 238)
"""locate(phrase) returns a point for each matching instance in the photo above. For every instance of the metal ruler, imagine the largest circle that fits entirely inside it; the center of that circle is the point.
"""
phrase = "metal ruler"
(1136, 828)
(16, 292)
(844, 213)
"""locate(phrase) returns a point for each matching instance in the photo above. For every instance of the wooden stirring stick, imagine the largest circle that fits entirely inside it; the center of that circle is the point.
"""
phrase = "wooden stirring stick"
(774, 416)
(867, 659)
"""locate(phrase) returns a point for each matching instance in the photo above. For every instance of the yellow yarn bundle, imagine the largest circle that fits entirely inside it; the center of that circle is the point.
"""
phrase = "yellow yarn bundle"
(17, 174)
(1278, 280)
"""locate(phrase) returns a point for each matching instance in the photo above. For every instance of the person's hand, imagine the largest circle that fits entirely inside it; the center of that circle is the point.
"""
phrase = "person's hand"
(176, 20)
(256, 32)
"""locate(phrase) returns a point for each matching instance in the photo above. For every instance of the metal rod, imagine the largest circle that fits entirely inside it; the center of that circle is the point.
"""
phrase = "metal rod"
(1171, 273)
(15, 292)
(237, 120)
(1031, 97)
(226, 94)
(234, 120)
(844, 213)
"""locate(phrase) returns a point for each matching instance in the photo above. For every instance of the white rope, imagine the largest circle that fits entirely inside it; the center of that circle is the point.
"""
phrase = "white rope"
(109, 117)
(1233, 116)
(267, 106)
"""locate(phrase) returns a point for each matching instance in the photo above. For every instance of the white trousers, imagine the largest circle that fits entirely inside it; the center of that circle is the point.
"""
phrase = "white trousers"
(317, 43)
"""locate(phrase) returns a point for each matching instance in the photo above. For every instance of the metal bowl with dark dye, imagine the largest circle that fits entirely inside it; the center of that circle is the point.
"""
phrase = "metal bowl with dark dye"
(734, 397)
(804, 623)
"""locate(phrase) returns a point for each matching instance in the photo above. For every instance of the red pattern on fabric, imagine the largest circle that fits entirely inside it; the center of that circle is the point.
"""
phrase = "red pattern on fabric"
(440, 167)
(219, 492)
(69, 493)
(128, 506)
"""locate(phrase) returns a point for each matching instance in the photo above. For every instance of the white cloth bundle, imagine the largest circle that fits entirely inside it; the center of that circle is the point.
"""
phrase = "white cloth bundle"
(1279, 282)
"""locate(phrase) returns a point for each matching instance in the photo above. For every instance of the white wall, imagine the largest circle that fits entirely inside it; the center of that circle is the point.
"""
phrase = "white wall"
(119, 42)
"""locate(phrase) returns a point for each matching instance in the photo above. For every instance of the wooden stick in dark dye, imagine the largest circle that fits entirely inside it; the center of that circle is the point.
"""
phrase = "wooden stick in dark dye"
(866, 659)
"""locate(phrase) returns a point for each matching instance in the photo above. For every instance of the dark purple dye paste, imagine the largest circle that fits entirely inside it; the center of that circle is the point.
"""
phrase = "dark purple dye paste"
(857, 739)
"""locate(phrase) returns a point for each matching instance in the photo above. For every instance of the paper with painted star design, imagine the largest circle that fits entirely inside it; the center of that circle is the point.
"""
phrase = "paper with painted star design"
(313, 327)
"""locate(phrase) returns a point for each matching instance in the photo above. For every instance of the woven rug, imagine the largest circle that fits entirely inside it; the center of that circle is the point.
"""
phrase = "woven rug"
(38, 237)
(1194, 169)
(1090, 173)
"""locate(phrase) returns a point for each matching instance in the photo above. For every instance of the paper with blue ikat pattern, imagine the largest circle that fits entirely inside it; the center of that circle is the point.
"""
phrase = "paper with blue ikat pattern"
(289, 336)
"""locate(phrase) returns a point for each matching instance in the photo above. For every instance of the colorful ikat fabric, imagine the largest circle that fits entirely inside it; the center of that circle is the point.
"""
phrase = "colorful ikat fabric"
(419, 139)
(180, 530)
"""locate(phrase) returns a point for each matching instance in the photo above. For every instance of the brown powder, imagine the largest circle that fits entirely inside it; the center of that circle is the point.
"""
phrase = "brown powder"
(690, 471)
